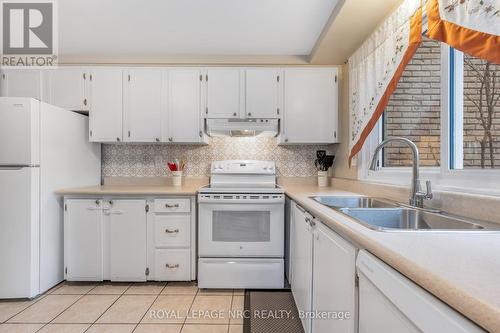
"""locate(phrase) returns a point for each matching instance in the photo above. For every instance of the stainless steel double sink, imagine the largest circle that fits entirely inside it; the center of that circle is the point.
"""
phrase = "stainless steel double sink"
(386, 215)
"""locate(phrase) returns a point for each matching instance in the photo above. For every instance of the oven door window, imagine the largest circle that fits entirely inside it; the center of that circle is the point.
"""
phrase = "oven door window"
(241, 226)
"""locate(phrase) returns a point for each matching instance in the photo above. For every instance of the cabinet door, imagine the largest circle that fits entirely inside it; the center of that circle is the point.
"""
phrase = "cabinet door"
(184, 105)
(21, 83)
(67, 88)
(127, 240)
(334, 276)
(106, 105)
(301, 257)
(310, 106)
(224, 93)
(83, 240)
(143, 105)
(262, 93)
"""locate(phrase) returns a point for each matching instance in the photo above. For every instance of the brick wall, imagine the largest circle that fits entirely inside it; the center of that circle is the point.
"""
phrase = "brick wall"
(414, 112)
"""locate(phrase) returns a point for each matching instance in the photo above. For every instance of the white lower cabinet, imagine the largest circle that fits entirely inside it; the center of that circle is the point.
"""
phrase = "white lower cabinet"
(334, 282)
(127, 240)
(322, 275)
(83, 240)
(301, 261)
(389, 302)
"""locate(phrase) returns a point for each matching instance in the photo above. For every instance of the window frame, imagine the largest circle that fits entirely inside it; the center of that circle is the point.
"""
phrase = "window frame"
(450, 175)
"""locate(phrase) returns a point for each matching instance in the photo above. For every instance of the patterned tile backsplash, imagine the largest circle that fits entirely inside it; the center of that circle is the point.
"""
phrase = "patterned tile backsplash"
(149, 160)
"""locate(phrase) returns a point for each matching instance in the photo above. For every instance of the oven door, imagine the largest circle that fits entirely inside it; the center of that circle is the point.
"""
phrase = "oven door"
(241, 226)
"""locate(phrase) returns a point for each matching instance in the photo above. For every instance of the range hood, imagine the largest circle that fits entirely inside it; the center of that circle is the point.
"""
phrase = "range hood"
(243, 127)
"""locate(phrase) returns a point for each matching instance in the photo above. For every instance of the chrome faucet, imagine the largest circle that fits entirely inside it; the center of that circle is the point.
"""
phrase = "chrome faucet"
(417, 196)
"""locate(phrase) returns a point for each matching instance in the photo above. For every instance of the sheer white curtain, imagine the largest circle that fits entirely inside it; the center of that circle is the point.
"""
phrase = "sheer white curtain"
(375, 69)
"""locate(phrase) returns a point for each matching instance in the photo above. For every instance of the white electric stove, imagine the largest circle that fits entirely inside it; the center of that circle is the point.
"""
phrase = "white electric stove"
(241, 227)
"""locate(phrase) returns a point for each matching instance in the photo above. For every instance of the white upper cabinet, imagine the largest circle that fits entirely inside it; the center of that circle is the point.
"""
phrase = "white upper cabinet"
(310, 106)
(334, 277)
(68, 88)
(184, 106)
(127, 240)
(224, 93)
(262, 98)
(144, 105)
(21, 83)
(106, 107)
(83, 240)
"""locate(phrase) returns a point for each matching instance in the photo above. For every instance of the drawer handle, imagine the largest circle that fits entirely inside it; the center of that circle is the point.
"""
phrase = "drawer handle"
(172, 206)
(168, 231)
(172, 266)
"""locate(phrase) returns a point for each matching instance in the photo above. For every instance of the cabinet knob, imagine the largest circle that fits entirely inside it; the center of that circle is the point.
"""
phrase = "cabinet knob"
(249, 114)
(235, 114)
(157, 140)
(172, 266)
(118, 139)
(170, 139)
(85, 102)
(169, 231)
(286, 140)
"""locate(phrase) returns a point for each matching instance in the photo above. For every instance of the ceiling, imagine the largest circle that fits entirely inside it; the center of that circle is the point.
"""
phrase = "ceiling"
(215, 31)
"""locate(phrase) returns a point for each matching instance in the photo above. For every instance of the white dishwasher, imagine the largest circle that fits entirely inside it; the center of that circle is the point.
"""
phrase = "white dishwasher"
(389, 302)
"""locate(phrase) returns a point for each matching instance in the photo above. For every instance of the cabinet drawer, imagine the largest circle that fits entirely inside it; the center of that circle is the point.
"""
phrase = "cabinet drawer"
(172, 230)
(173, 205)
(173, 265)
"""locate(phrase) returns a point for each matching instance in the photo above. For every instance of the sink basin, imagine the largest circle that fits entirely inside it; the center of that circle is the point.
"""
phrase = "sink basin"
(408, 219)
(386, 215)
(354, 202)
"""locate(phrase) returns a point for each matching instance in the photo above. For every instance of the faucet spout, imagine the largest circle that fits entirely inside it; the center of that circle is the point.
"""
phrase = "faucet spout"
(417, 196)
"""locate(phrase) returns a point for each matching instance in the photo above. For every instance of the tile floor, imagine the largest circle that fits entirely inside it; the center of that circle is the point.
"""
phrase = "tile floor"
(124, 307)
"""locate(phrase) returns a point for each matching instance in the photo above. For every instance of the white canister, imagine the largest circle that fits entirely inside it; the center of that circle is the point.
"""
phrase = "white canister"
(322, 178)
(177, 178)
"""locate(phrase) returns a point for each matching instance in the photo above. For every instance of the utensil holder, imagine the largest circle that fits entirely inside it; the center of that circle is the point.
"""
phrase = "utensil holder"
(177, 178)
(322, 178)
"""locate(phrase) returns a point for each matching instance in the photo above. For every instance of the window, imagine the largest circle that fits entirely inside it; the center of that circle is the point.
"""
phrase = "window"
(414, 110)
(481, 114)
(448, 103)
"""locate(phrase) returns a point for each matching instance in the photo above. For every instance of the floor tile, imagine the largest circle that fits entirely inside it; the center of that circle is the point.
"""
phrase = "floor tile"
(87, 309)
(64, 328)
(169, 309)
(46, 309)
(237, 310)
(9, 309)
(217, 292)
(19, 328)
(235, 328)
(117, 288)
(156, 328)
(147, 288)
(204, 329)
(74, 288)
(128, 309)
(239, 292)
(180, 288)
(110, 328)
(210, 309)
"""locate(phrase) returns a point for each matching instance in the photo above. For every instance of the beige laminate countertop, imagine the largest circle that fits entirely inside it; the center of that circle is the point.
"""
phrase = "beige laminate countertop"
(185, 189)
(460, 268)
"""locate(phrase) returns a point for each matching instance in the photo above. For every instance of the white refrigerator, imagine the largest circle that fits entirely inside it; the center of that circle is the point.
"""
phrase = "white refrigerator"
(42, 148)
